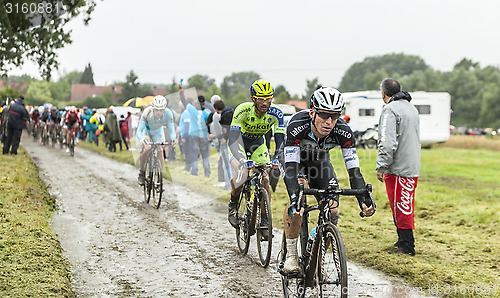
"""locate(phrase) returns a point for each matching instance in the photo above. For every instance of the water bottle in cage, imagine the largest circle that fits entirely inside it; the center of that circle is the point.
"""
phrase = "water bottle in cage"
(310, 241)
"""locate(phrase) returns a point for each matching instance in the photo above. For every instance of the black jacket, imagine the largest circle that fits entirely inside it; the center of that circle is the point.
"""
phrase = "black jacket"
(18, 116)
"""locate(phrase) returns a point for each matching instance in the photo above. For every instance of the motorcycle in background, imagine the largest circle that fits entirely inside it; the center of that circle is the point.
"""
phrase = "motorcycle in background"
(367, 139)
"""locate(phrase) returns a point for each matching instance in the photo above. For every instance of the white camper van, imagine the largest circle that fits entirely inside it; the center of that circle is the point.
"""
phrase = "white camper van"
(364, 108)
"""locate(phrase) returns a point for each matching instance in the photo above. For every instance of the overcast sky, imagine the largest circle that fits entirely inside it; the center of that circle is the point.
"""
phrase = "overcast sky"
(285, 41)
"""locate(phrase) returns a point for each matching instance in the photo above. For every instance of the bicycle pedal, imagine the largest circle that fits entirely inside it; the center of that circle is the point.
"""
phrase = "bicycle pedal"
(293, 275)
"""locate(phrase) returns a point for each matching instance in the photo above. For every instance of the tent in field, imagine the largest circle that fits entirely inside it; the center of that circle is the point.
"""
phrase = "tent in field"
(138, 101)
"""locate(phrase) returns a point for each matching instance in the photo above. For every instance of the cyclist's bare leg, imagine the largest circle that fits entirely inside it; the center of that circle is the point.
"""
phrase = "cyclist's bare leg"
(42, 128)
(68, 135)
(334, 211)
(292, 231)
(292, 225)
(65, 133)
(237, 185)
(143, 157)
(161, 149)
(268, 189)
(266, 183)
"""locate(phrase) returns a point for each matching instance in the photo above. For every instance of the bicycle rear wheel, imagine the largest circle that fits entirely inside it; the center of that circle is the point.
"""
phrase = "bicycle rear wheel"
(44, 137)
(244, 214)
(61, 139)
(53, 138)
(157, 185)
(72, 145)
(147, 182)
(332, 267)
(264, 228)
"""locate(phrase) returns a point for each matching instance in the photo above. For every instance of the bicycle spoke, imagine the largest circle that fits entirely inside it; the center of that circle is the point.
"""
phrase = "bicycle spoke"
(157, 185)
(264, 228)
(242, 232)
(332, 271)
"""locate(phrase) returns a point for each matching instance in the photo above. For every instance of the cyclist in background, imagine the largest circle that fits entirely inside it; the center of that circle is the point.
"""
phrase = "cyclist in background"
(310, 135)
(71, 119)
(251, 121)
(45, 119)
(150, 129)
(35, 117)
(55, 118)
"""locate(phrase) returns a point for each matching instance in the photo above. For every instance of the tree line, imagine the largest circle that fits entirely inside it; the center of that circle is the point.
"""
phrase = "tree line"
(474, 90)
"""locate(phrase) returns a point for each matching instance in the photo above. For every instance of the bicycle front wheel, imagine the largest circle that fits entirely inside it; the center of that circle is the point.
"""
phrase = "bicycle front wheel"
(53, 138)
(264, 229)
(147, 182)
(72, 146)
(157, 185)
(332, 267)
(244, 215)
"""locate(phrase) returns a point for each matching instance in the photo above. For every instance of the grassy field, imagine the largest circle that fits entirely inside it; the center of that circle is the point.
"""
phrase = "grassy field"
(457, 214)
(457, 218)
(31, 260)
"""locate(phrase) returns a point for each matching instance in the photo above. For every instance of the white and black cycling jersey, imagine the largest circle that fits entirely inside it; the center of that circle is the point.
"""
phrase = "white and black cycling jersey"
(302, 152)
(302, 145)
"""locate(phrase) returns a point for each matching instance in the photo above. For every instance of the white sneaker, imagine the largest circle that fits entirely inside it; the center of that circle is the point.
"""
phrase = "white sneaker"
(67, 150)
(291, 264)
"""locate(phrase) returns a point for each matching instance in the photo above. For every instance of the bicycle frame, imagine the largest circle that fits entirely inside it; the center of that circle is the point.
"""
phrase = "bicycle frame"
(255, 215)
(258, 178)
(153, 152)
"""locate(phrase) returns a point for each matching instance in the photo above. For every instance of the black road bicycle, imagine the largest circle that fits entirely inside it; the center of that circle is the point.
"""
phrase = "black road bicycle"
(153, 175)
(254, 214)
(322, 259)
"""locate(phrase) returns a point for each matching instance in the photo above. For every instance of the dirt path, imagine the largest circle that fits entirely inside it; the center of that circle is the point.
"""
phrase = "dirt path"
(120, 246)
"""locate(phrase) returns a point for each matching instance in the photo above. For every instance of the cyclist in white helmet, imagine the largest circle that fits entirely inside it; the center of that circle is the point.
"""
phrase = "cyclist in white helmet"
(150, 129)
(309, 136)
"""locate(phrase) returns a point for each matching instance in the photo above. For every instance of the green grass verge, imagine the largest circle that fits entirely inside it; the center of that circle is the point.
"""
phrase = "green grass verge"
(31, 260)
(457, 214)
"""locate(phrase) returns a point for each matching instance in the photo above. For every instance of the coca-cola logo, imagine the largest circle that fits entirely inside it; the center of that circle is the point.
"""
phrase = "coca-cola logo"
(407, 191)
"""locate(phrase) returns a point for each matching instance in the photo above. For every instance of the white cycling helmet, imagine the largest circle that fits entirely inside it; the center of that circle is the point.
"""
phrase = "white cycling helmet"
(159, 102)
(215, 98)
(328, 99)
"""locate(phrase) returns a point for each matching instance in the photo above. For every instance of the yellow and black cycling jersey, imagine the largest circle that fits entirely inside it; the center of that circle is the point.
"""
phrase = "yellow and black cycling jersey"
(248, 129)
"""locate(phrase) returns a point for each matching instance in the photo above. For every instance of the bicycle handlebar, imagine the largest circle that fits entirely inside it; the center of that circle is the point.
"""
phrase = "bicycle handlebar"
(158, 143)
(261, 167)
(336, 191)
(344, 192)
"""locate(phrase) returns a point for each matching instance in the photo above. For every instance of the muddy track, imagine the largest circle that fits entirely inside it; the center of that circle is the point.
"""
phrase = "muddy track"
(120, 246)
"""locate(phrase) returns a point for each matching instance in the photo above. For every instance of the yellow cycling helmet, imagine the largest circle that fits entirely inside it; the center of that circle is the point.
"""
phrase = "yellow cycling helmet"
(261, 89)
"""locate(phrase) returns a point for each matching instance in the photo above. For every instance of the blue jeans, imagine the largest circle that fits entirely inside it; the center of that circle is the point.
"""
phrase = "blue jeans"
(200, 144)
(187, 154)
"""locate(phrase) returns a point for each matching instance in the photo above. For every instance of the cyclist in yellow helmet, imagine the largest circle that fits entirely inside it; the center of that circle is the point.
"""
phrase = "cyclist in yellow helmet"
(251, 121)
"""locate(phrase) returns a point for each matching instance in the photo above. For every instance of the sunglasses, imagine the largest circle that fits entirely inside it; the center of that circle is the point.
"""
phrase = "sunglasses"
(263, 98)
(326, 115)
